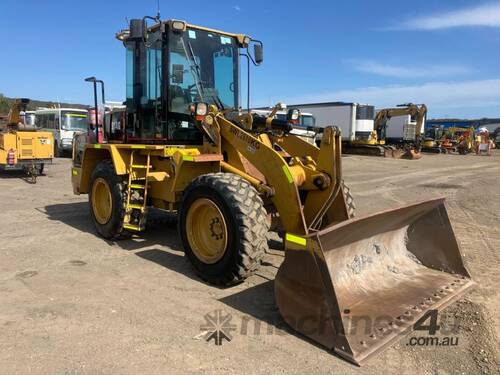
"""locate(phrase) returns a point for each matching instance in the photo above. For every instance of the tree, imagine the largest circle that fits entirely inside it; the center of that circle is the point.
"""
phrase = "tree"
(4, 105)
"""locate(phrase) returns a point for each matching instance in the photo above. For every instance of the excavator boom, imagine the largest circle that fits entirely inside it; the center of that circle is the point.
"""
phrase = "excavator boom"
(419, 112)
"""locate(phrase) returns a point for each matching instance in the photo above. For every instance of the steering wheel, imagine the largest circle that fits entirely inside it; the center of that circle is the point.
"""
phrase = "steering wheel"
(193, 93)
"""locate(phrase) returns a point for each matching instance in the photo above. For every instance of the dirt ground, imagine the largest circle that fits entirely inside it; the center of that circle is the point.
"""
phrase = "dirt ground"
(71, 302)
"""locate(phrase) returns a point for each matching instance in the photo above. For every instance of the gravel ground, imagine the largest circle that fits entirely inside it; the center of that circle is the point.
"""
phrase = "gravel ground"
(72, 302)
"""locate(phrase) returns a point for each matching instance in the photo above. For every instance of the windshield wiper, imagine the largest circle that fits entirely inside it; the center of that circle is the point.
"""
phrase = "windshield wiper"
(218, 102)
(194, 67)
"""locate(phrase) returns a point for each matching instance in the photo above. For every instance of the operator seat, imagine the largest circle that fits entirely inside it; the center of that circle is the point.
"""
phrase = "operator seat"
(178, 100)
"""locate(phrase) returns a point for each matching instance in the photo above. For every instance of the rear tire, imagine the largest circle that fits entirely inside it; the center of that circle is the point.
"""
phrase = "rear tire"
(242, 214)
(112, 228)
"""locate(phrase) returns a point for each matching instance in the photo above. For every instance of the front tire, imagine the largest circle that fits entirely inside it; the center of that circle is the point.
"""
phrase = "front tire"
(223, 227)
(57, 151)
(107, 198)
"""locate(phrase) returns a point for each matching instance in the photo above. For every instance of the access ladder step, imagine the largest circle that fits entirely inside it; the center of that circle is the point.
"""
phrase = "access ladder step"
(133, 227)
(140, 166)
(137, 207)
(137, 186)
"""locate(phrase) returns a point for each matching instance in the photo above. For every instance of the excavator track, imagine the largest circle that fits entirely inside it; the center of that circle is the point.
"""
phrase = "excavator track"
(373, 150)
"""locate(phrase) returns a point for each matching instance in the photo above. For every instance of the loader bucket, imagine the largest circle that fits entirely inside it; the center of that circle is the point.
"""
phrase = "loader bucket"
(411, 154)
(358, 286)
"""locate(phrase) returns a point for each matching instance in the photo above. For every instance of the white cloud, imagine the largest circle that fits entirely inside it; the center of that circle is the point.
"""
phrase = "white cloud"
(237, 8)
(439, 96)
(482, 15)
(398, 71)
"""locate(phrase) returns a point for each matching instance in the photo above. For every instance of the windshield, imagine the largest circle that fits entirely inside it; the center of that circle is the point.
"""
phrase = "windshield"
(203, 67)
(29, 119)
(307, 120)
(433, 133)
(73, 121)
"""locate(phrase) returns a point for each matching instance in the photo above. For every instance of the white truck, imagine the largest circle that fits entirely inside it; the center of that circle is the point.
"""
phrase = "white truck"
(354, 120)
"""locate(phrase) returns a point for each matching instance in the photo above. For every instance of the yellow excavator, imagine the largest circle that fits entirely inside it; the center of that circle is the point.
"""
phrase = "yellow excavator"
(433, 139)
(411, 138)
(183, 145)
(22, 147)
(459, 139)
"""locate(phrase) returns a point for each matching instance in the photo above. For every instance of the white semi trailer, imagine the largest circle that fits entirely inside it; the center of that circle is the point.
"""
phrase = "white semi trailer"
(356, 121)
(402, 128)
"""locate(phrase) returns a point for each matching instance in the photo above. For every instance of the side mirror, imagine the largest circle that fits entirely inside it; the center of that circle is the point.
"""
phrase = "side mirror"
(258, 52)
(137, 28)
(280, 106)
(178, 74)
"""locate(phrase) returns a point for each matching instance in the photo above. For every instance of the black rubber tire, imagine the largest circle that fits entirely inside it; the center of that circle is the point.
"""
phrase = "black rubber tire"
(113, 229)
(57, 152)
(247, 223)
(349, 200)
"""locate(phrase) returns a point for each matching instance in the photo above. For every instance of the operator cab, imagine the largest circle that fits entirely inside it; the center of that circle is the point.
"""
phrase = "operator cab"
(172, 65)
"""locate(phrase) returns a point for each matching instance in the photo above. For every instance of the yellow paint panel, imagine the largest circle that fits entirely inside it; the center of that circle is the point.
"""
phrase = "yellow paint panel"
(296, 239)
(288, 174)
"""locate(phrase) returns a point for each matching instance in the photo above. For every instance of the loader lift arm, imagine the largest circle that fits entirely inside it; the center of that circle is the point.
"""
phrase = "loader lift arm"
(318, 175)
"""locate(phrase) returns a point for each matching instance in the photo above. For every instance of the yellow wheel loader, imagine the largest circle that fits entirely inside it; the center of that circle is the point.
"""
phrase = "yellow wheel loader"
(182, 145)
(22, 147)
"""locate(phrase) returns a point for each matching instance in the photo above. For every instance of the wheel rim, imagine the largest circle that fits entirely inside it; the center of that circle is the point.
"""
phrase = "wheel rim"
(102, 204)
(206, 231)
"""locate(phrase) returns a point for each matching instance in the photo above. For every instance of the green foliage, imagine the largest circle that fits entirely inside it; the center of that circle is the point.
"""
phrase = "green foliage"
(6, 102)
(4, 105)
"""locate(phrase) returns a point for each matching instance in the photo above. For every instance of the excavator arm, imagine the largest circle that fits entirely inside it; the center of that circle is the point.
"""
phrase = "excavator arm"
(418, 111)
(14, 116)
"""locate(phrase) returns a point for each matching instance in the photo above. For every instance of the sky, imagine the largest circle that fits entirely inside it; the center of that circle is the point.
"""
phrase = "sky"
(443, 53)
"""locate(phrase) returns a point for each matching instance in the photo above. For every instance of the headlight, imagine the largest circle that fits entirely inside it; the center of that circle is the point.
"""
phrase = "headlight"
(201, 109)
(178, 25)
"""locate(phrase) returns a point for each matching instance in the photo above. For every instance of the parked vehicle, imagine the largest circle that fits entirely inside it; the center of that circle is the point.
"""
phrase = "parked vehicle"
(356, 122)
(62, 123)
(186, 147)
(21, 146)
